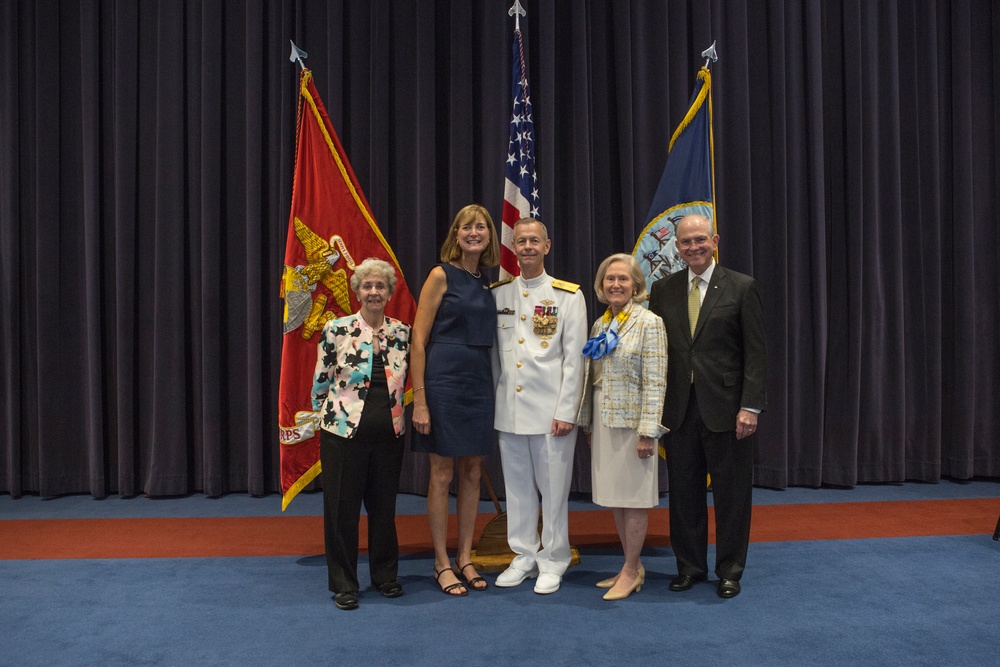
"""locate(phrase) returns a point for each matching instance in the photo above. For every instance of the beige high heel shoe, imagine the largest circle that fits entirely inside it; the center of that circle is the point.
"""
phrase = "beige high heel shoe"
(611, 581)
(636, 587)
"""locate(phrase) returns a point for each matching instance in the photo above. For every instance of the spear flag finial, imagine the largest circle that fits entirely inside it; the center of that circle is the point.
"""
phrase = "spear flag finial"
(298, 55)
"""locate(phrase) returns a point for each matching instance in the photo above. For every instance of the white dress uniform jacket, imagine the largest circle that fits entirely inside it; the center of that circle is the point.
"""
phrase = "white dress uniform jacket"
(537, 362)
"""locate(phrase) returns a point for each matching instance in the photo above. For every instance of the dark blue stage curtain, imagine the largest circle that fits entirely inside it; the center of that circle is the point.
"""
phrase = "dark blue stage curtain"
(145, 175)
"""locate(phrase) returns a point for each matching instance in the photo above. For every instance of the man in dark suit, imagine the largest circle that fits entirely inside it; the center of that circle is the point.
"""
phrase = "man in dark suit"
(715, 389)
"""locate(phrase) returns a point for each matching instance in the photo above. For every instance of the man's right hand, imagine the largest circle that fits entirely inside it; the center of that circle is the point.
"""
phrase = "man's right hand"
(561, 428)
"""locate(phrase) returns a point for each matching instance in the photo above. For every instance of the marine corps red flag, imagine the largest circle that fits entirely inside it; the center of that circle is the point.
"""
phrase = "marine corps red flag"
(330, 230)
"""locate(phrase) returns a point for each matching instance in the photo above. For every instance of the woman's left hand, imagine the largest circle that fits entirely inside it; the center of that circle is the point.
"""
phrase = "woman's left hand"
(646, 447)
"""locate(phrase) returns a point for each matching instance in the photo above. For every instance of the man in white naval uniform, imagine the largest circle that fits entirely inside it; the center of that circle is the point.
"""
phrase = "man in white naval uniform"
(538, 370)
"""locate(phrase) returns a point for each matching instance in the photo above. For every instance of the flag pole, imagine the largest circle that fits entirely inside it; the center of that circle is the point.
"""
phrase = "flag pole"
(711, 56)
(492, 552)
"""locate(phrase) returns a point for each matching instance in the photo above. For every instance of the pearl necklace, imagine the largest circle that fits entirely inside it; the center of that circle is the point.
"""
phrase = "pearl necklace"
(477, 274)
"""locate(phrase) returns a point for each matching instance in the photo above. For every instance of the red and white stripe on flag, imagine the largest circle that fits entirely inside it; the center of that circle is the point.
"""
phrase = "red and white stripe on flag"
(520, 193)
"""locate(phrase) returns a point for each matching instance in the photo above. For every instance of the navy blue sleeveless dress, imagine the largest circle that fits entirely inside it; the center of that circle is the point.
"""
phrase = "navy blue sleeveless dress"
(457, 376)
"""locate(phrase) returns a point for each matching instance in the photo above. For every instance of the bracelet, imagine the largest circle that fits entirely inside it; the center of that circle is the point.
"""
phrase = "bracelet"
(421, 388)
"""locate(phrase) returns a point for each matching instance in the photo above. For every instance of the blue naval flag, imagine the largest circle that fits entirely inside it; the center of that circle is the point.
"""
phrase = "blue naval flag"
(687, 186)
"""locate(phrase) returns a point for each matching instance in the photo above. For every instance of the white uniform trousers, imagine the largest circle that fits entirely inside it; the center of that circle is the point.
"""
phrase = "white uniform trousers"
(534, 464)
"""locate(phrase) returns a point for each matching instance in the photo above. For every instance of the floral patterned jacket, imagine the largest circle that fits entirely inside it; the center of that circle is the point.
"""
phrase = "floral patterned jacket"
(344, 371)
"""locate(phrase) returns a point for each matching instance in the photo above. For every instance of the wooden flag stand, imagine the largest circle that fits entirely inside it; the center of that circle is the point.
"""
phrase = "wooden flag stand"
(492, 552)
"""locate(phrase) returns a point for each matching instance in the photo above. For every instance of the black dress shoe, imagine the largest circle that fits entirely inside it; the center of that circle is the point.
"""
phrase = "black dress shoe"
(683, 582)
(390, 589)
(346, 600)
(728, 588)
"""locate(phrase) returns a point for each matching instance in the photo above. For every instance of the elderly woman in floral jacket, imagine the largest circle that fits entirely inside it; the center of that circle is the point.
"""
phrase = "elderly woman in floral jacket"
(358, 391)
(622, 408)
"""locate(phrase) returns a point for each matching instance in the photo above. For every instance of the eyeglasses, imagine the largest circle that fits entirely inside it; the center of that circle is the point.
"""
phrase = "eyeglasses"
(697, 241)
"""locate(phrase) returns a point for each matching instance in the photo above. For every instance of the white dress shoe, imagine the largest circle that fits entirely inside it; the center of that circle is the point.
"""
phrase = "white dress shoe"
(513, 576)
(547, 583)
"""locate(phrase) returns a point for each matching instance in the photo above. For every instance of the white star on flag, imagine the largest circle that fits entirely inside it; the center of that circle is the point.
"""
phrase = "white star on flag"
(520, 193)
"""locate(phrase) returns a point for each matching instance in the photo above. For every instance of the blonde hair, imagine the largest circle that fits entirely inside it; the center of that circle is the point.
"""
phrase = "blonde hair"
(451, 251)
(638, 279)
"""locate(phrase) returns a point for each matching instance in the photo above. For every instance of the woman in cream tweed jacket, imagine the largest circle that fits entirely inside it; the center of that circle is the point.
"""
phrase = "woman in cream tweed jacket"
(622, 407)
(634, 387)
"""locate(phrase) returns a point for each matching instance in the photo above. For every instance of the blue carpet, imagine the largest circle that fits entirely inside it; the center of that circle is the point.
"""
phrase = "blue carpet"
(903, 601)
(886, 602)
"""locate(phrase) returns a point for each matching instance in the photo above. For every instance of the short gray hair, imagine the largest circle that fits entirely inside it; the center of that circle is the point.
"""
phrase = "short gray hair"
(373, 266)
(532, 221)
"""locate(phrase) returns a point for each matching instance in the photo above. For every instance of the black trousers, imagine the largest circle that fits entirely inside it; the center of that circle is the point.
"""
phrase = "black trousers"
(692, 452)
(356, 471)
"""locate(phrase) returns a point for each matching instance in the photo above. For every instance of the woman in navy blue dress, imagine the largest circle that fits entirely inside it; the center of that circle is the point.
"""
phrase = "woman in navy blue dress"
(453, 386)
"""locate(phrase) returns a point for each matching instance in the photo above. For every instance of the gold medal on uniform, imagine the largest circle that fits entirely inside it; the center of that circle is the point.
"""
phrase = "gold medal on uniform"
(545, 319)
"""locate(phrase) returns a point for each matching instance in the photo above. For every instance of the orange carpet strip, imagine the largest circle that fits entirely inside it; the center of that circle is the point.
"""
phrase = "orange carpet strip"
(303, 536)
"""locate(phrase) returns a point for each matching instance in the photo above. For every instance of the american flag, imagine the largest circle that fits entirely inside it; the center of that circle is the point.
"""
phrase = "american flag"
(520, 194)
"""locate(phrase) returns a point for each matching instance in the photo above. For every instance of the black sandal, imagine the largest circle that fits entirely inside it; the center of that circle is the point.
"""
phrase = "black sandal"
(447, 590)
(471, 583)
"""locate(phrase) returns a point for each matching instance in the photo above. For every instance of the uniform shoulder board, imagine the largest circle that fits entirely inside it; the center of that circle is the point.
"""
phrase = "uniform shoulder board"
(563, 285)
(501, 282)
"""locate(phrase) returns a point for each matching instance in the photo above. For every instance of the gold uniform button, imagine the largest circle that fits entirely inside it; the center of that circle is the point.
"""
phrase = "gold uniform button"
(523, 318)
(525, 292)
(519, 388)
(519, 364)
(520, 340)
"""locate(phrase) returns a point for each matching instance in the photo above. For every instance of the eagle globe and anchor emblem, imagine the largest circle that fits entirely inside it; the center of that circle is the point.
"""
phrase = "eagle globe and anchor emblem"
(304, 306)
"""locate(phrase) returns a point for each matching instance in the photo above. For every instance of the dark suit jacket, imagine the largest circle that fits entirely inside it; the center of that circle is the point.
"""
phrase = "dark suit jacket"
(727, 352)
